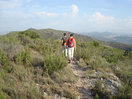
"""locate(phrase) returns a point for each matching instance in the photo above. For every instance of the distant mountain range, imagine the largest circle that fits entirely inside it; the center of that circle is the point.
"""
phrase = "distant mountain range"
(114, 37)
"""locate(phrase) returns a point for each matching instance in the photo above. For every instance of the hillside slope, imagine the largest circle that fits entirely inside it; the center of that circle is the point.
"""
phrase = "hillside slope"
(34, 68)
(57, 34)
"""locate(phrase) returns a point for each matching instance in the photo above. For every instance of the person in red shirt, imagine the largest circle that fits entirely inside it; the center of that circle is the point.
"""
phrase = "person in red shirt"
(71, 46)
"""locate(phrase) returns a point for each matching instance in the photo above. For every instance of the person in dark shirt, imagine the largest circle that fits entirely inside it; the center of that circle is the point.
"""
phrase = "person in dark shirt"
(63, 44)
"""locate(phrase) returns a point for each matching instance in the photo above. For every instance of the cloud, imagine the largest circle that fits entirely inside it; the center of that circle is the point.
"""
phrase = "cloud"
(19, 14)
(9, 4)
(52, 14)
(75, 9)
(99, 18)
(12, 4)
(100, 22)
(49, 14)
(129, 23)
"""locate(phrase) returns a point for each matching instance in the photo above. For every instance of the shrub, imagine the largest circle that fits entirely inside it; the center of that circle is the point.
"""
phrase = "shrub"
(3, 59)
(124, 93)
(31, 34)
(2, 95)
(53, 63)
(63, 76)
(127, 53)
(95, 43)
(125, 76)
(26, 37)
(99, 91)
(98, 62)
(83, 53)
(24, 40)
(97, 96)
(112, 55)
(69, 94)
(112, 59)
(23, 58)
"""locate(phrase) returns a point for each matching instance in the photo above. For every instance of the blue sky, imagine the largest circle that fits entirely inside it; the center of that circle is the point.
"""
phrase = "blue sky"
(72, 15)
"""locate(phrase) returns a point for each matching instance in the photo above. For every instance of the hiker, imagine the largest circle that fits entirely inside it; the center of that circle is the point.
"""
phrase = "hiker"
(63, 43)
(71, 45)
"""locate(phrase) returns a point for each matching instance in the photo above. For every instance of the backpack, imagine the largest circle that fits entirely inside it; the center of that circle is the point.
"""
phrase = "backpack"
(70, 42)
(64, 40)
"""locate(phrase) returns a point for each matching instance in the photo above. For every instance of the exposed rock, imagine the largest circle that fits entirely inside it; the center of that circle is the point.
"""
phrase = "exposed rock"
(96, 74)
(56, 96)
(112, 84)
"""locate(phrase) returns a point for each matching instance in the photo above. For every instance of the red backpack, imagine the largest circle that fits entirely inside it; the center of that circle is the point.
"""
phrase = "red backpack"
(70, 42)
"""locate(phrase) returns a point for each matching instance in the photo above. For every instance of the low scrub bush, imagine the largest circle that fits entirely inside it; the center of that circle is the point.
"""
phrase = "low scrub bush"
(125, 92)
(23, 58)
(31, 34)
(125, 76)
(98, 62)
(69, 94)
(112, 55)
(3, 59)
(83, 53)
(95, 43)
(3, 95)
(53, 63)
(25, 40)
(99, 91)
(27, 37)
(64, 75)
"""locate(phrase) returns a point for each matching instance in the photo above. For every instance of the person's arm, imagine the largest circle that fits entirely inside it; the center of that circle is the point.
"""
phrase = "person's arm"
(74, 45)
(62, 41)
(67, 43)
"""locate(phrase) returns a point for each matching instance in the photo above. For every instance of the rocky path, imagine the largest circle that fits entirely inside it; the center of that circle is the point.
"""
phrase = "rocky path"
(83, 84)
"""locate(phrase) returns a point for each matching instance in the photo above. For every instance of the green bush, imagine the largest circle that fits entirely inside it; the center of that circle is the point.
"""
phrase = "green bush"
(95, 43)
(127, 53)
(53, 63)
(124, 93)
(2, 95)
(83, 52)
(31, 34)
(99, 91)
(97, 96)
(3, 59)
(23, 58)
(125, 76)
(27, 37)
(98, 62)
(25, 40)
(112, 59)
(112, 55)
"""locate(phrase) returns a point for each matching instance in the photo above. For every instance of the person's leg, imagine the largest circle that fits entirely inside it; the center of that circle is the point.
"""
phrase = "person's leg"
(66, 52)
(69, 54)
(72, 53)
(63, 50)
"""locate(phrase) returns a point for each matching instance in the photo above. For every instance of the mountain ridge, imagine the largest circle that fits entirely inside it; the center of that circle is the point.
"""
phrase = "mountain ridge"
(57, 34)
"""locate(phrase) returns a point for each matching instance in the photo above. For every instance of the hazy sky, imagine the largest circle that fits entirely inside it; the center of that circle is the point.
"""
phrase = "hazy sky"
(71, 15)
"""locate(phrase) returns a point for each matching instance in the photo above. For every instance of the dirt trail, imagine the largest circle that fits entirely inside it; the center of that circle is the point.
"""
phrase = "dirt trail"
(83, 84)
